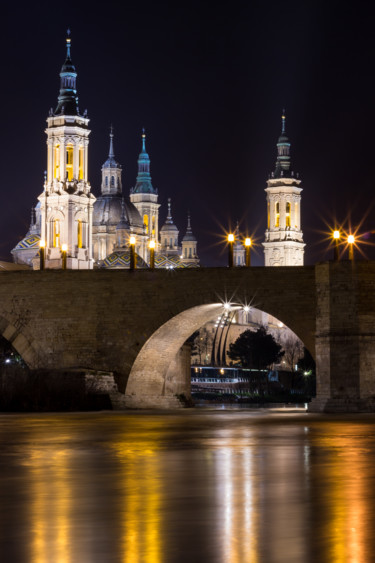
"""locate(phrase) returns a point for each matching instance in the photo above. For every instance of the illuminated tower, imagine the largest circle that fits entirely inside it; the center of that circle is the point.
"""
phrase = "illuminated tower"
(238, 248)
(67, 202)
(189, 246)
(145, 197)
(283, 244)
(169, 234)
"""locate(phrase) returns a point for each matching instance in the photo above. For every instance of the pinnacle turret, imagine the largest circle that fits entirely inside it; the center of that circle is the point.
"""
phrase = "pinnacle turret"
(68, 99)
(283, 163)
(143, 185)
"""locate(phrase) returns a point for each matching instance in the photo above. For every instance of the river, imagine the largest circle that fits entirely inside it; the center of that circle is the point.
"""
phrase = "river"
(203, 485)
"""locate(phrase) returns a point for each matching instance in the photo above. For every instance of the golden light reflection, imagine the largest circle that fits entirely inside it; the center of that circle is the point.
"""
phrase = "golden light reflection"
(50, 507)
(239, 533)
(141, 488)
(347, 514)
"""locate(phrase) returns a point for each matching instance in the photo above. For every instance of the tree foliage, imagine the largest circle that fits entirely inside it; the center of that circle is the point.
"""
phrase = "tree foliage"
(256, 350)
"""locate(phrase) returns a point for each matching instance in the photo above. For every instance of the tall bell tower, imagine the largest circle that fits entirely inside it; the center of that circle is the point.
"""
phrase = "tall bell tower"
(67, 201)
(144, 196)
(283, 243)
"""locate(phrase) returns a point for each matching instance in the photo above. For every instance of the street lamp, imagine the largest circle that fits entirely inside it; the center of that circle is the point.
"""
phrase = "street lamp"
(336, 238)
(248, 247)
(133, 258)
(42, 244)
(152, 254)
(64, 248)
(351, 241)
(230, 250)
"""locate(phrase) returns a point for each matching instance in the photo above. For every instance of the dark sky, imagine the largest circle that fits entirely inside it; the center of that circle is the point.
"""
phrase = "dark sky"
(208, 83)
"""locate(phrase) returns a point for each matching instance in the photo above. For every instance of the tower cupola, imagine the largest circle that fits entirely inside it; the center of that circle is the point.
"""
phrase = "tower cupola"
(282, 168)
(111, 171)
(189, 246)
(169, 232)
(67, 103)
(143, 185)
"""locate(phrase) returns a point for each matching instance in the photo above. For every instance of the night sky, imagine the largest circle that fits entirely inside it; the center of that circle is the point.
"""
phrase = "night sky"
(208, 83)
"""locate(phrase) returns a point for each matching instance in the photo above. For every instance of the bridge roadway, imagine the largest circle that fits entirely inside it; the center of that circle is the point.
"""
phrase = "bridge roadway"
(135, 323)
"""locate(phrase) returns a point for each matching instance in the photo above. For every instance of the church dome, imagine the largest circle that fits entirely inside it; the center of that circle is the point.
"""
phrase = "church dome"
(120, 259)
(108, 210)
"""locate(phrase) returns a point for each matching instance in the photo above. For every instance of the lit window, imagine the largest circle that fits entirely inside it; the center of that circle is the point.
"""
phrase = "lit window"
(277, 214)
(79, 234)
(145, 222)
(69, 162)
(80, 164)
(56, 233)
(287, 216)
(56, 173)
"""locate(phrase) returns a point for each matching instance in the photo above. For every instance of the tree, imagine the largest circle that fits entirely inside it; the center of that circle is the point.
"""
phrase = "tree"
(256, 350)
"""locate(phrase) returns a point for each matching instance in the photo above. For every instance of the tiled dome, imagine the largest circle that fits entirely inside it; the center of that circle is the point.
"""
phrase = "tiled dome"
(120, 259)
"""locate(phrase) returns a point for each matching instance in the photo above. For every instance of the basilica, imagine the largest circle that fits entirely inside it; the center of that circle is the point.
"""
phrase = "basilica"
(96, 231)
(76, 230)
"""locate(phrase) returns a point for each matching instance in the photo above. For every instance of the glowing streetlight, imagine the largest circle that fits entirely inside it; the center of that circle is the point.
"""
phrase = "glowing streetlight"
(152, 254)
(230, 249)
(248, 255)
(133, 257)
(351, 241)
(42, 245)
(336, 238)
(64, 249)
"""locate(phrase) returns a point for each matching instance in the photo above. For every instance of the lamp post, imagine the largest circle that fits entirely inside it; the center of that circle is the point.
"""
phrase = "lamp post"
(133, 258)
(230, 250)
(351, 241)
(152, 254)
(336, 238)
(42, 244)
(64, 248)
(248, 255)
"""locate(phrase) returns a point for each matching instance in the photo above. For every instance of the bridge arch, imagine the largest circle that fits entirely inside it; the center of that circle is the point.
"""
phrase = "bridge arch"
(23, 346)
(162, 367)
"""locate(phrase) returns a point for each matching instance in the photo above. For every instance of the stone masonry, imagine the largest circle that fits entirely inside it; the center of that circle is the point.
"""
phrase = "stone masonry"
(134, 324)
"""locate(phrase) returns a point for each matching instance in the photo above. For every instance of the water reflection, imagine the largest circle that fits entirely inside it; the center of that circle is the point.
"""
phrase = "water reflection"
(194, 486)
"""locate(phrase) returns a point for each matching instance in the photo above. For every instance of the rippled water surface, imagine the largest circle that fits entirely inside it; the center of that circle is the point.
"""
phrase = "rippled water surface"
(191, 486)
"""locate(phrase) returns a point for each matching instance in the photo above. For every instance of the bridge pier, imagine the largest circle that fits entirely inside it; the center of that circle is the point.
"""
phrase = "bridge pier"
(345, 337)
(176, 390)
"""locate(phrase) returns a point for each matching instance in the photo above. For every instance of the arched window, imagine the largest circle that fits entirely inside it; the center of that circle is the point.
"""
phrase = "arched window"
(106, 181)
(277, 214)
(56, 172)
(287, 214)
(268, 215)
(296, 215)
(80, 163)
(56, 233)
(69, 162)
(190, 252)
(79, 233)
(112, 180)
(185, 252)
(145, 222)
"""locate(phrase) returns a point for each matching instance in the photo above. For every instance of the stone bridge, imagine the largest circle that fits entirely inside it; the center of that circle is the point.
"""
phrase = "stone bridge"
(135, 323)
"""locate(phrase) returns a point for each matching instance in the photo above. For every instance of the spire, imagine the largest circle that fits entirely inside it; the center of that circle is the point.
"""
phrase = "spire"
(111, 153)
(143, 184)
(68, 99)
(283, 163)
(169, 225)
(189, 233)
(111, 162)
